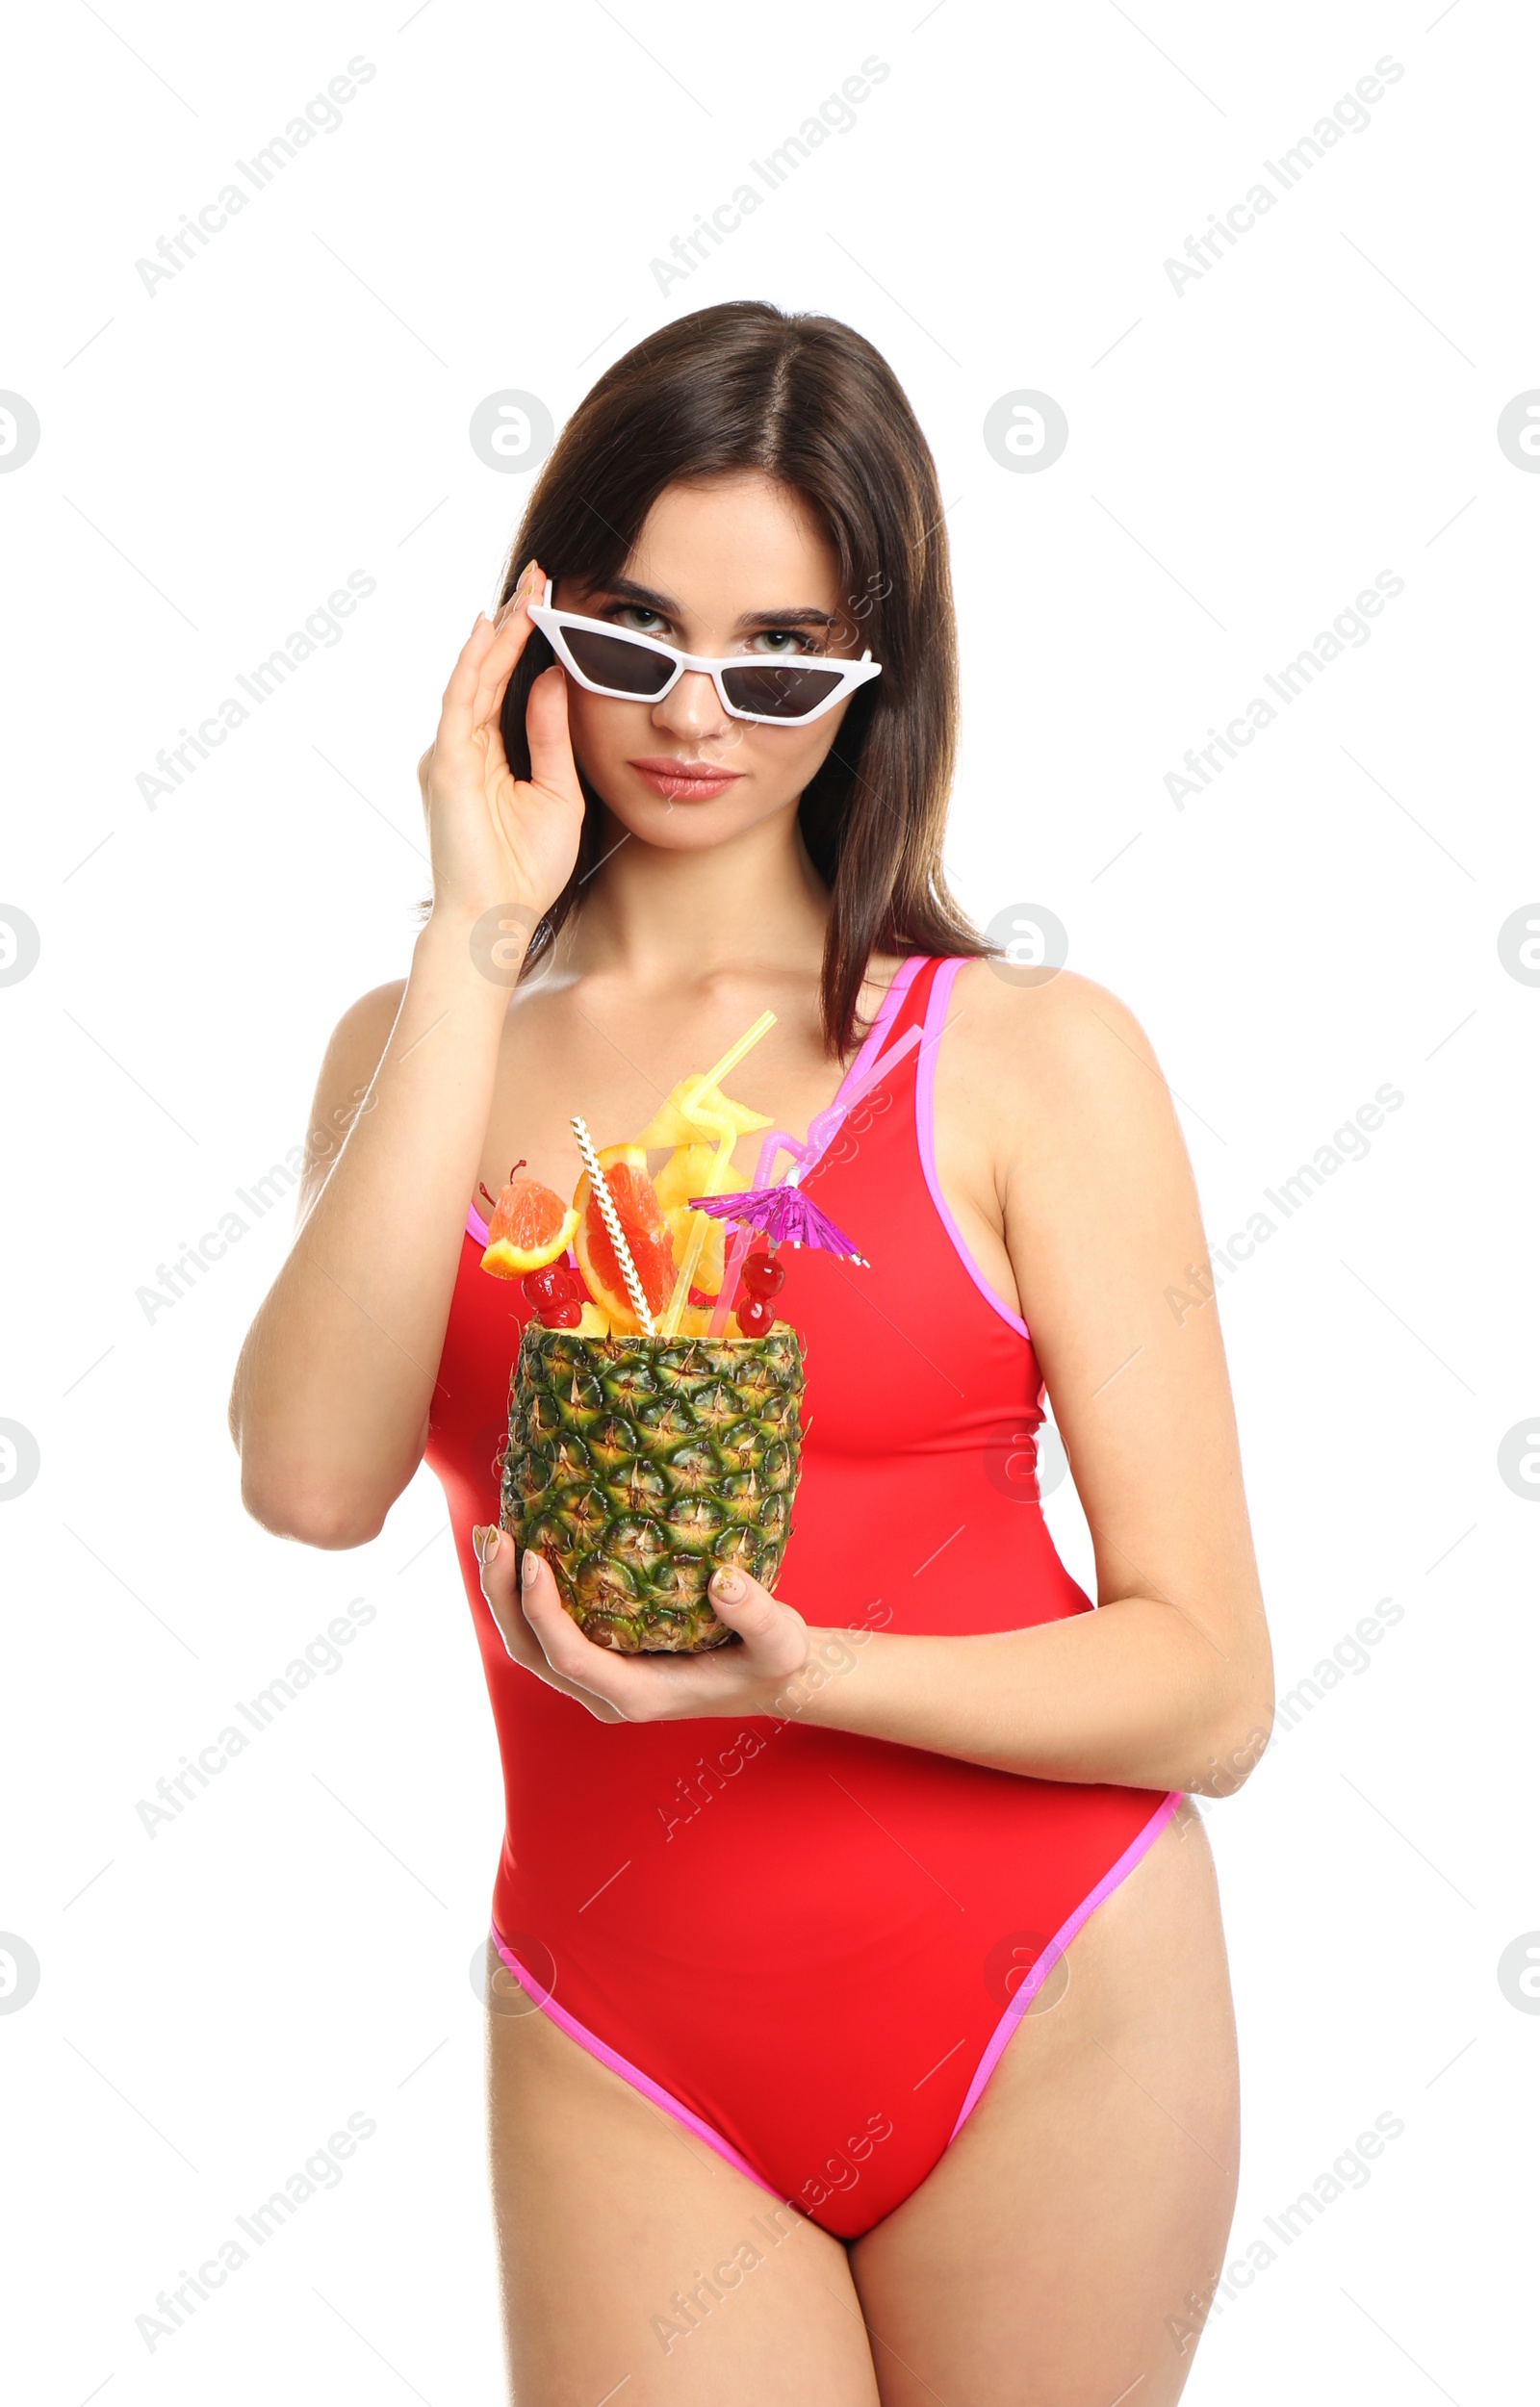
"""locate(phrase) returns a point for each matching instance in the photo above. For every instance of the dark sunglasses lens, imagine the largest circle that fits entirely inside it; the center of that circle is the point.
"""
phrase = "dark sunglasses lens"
(778, 690)
(625, 668)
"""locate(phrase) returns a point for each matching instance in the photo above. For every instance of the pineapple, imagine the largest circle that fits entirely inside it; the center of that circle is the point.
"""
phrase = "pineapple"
(637, 1465)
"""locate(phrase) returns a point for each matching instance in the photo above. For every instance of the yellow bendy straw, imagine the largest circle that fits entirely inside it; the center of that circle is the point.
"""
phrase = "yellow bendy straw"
(611, 1219)
(734, 1053)
(700, 1225)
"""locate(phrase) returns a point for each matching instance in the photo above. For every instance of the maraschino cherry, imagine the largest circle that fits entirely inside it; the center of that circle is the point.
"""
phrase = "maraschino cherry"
(546, 1288)
(556, 1295)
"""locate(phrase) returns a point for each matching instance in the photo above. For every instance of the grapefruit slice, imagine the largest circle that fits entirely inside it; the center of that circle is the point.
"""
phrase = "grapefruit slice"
(529, 1228)
(646, 1233)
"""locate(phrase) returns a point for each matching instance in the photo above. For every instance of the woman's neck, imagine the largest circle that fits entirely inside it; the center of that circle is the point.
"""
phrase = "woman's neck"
(650, 914)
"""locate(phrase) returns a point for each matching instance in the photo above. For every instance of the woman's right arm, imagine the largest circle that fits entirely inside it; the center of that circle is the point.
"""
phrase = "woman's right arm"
(330, 1407)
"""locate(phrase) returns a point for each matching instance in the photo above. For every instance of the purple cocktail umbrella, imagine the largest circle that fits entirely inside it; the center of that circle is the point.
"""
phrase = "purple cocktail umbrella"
(784, 1214)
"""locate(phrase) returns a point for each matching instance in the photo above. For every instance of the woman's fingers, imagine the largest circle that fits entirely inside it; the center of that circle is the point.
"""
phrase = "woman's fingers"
(512, 627)
(497, 1554)
(540, 1634)
(511, 631)
(486, 662)
(574, 1658)
(550, 760)
(774, 1634)
(458, 708)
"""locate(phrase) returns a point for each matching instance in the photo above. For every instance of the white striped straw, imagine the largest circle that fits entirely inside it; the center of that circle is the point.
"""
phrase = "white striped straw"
(617, 1235)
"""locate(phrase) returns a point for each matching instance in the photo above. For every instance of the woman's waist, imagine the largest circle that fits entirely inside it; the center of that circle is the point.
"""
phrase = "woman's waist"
(742, 1846)
(780, 1811)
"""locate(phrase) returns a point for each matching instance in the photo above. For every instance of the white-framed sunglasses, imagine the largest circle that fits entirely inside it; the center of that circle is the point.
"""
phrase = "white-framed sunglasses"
(780, 692)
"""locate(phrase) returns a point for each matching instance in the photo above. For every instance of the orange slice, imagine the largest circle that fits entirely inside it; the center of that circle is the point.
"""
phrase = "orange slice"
(529, 1228)
(646, 1233)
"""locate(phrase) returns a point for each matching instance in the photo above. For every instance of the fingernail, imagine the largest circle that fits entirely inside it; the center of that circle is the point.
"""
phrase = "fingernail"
(485, 1540)
(728, 1585)
(529, 577)
(527, 1568)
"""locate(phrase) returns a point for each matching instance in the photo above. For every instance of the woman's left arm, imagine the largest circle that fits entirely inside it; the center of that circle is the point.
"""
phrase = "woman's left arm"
(1069, 1165)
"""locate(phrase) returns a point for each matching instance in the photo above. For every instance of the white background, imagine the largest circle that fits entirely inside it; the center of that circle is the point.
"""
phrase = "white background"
(1244, 458)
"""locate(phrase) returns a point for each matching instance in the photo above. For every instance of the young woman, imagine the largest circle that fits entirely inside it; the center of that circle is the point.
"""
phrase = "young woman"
(865, 2031)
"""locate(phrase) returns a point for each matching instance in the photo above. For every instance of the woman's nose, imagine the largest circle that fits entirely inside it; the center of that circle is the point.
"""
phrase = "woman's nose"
(694, 710)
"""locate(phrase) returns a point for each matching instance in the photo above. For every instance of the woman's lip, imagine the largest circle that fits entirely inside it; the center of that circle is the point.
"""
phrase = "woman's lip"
(686, 781)
(663, 765)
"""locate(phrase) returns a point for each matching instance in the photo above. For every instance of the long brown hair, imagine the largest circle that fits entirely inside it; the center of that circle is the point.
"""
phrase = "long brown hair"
(811, 404)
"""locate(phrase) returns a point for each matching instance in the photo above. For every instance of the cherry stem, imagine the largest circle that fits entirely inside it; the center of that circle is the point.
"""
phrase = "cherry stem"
(482, 1188)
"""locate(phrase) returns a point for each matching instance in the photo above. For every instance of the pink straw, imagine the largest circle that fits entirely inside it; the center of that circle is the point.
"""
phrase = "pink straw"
(805, 1157)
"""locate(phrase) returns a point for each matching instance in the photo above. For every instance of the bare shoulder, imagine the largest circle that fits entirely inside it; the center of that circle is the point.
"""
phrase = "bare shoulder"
(365, 1027)
(1053, 1063)
(350, 1060)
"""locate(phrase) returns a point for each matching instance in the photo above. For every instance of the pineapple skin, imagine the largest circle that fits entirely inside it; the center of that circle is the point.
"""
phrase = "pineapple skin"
(636, 1466)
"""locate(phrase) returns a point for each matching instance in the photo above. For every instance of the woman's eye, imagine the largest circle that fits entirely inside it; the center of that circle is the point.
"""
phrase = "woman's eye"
(629, 614)
(783, 640)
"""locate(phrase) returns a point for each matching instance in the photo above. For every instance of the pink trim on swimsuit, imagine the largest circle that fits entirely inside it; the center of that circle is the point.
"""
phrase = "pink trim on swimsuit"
(924, 1122)
(617, 2064)
(1023, 1996)
(886, 1012)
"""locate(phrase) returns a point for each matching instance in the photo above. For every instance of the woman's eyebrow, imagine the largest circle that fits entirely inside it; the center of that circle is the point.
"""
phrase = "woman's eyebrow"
(646, 597)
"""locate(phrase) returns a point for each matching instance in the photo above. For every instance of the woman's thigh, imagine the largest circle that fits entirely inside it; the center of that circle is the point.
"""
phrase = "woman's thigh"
(1091, 2191)
(638, 2264)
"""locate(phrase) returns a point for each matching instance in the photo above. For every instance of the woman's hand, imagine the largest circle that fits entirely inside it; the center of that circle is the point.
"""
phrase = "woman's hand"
(497, 841)
(768, 1673)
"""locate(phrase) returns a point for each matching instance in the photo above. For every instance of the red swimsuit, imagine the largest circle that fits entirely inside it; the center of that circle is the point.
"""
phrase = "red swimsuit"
(812, 1948)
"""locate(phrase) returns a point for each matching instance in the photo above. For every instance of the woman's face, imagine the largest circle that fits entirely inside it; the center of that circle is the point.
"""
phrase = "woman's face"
(736, 565)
